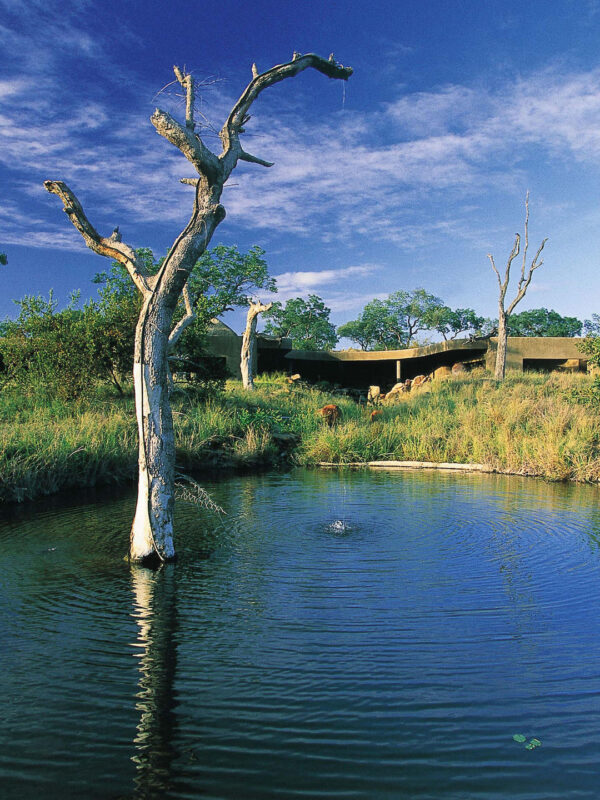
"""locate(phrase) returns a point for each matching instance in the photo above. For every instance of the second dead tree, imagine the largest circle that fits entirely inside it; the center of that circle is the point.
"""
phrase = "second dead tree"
(522, 286)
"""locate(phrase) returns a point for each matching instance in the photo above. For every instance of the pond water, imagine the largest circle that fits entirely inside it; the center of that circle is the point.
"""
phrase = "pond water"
(336, 635)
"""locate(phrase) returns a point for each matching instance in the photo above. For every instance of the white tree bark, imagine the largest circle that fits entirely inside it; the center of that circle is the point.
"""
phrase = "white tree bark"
(522, 286)
(500, 369)
(249, 343)
(152, 530)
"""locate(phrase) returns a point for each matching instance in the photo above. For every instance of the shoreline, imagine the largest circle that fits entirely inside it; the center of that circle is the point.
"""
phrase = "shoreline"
(529, 426)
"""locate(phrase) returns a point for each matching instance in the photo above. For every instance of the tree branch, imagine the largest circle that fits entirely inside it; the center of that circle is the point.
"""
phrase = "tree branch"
(243, 156)
(110, 247)
(523, 286)
(185, 321)
(232, 150)
(187, 83)
(190, 144)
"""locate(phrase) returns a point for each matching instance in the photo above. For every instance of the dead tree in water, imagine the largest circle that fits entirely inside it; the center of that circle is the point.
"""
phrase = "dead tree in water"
(152, 530)
(522, 286)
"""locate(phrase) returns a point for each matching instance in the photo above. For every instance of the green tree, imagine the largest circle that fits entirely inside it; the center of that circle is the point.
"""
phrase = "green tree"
(224, 278)
(305, 322)
(542, 322)
(590, 346)
(374, 329)
(452, 322)
(45, 349)
(394, 323)
(591, 327)
(111, 320)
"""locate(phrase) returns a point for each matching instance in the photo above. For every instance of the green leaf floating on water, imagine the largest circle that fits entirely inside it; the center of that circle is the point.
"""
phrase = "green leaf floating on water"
(531, 744)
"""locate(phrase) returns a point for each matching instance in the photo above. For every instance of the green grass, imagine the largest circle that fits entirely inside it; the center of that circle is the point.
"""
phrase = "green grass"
(530, 424)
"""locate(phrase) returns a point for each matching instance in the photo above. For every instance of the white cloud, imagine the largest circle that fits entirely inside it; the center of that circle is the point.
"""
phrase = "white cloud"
(304, 282)
(354, 175)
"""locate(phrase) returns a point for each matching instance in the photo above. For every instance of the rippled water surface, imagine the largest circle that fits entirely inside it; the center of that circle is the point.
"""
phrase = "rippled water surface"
(362, 635)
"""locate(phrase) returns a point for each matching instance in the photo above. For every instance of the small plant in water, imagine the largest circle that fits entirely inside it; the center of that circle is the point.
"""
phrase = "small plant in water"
(530, 745)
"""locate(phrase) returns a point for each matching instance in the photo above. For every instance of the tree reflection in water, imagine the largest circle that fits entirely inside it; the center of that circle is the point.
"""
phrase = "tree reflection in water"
(155, 612)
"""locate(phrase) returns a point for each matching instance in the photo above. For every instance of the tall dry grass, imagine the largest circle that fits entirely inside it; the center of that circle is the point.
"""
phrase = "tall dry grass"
(529, 425)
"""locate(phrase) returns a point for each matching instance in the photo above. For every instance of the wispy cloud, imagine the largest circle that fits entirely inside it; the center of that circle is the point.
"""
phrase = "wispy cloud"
(367, 174)
(304, 282)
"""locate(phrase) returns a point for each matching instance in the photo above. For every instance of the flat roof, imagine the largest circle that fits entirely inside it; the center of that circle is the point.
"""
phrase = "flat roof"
(478, 345)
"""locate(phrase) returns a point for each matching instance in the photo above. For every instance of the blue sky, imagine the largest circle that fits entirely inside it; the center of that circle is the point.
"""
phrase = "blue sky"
(406, 176)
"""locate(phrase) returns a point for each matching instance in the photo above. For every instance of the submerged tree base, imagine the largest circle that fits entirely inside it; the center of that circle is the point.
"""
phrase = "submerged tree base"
(151, 561)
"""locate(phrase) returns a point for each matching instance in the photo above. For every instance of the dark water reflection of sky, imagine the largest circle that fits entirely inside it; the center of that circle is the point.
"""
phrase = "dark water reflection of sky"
(343, 635)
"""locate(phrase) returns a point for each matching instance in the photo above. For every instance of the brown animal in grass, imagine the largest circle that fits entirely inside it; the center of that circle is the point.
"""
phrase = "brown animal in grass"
(331, 414)
(375, 414)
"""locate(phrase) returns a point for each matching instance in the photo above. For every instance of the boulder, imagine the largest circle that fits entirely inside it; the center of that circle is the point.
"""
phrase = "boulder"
(458, 368)
(441, 372)
(419, 381)
(374, 394)
(396, 391)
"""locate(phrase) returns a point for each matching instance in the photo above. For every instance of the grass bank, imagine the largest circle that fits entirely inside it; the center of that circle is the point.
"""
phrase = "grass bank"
(529, 425)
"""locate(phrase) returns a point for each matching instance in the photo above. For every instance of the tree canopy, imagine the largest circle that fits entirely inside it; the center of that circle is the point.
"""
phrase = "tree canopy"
(452, 322)
(305, 322)
(394, 322)
(591, 327)
(543, 322)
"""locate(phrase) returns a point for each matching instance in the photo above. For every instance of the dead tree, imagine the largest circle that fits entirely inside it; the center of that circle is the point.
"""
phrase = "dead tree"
(249, 343)
(522, 286)
(152, 530)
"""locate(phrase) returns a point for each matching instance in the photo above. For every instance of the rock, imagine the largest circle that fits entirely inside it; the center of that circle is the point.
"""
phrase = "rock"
(458, 368)
(374, 394)
(442, 372)
(419, 381)
(395, 392)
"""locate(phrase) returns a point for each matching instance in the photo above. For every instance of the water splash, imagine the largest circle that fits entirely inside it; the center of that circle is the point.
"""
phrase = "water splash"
(339, 527)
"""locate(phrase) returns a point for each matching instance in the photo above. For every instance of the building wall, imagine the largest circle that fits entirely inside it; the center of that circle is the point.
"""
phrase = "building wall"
(536, 352)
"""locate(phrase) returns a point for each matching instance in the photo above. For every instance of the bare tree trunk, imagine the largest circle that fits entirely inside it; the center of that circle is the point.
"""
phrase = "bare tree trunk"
(249, 344)
(152, 528)
(502, 341)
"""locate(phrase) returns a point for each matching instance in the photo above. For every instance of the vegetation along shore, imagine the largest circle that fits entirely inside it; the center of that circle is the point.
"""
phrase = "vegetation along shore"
(531, 424)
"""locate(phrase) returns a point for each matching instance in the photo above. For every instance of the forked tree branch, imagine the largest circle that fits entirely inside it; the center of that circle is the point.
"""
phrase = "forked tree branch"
(218, 168)
(184, 322)
(526, 274)
(189, 143)
(524, 284)
(232, 150)
(111, 247)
